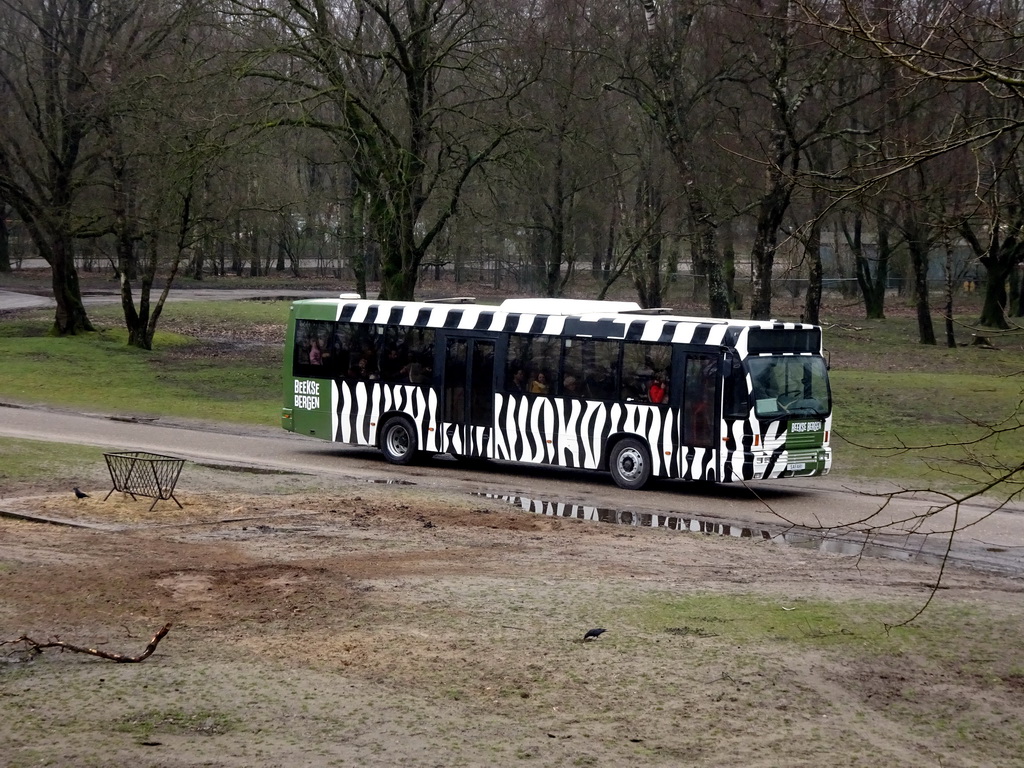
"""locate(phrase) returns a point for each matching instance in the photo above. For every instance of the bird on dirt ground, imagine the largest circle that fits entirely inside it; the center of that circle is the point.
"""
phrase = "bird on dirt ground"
(80, 494)
(593, 634)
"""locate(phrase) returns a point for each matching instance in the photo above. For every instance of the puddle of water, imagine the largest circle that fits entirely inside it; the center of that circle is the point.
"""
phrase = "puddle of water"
(245, 470)
(673, 522)
(912, 547)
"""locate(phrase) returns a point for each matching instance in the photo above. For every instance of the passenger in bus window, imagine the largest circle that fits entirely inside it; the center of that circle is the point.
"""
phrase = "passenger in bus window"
(518, 383)
(658, 389)
(570, 387)
(539, 386)
(365, 370)
(316, 357)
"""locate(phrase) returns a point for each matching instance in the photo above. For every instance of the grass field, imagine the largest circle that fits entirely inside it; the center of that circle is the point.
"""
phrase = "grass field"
(221, 361)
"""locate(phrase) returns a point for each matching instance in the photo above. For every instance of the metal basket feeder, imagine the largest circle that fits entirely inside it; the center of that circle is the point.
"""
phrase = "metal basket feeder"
(138, 473)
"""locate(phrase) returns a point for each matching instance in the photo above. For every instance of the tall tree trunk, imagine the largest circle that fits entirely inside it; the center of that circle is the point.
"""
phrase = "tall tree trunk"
(195, 268)
(919, 259)
(762, 262)
(1000, 257)
(555, 255)
(729, 264)
(399, 261)
(5, 240)
(950, 278)
(1016, 292)
(254, 254)
(812, 252)
(770, 215)
(125, 240)
(283, 236)
(355, 237)
(872, 282)
(706, 235)
(993, 309)
(71, 317)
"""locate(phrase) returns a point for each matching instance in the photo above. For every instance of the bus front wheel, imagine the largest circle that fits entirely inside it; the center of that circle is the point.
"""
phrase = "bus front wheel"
(398, 441)
(630, 464)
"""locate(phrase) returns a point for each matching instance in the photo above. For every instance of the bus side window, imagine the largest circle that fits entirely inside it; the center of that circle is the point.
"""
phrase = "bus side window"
(640, 363)
(420, 369)
(313, 352)
(357, 356)
(590, 369)
(394, 353)
(543, 367)
(531, 364)
(736, 398)
(570, 382)
(516, 363)
(601, 366)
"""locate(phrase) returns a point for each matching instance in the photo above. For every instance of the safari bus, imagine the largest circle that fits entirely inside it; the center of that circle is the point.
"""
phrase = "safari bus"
(597, 385)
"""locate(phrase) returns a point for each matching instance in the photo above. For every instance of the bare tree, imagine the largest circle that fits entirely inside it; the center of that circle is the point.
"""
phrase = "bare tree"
(156, 140)
(413, 95)
(686, 73)
(5, 239)
(994, 225)
(972, 46)
(789, 110)
(51, 56)
(554, 163)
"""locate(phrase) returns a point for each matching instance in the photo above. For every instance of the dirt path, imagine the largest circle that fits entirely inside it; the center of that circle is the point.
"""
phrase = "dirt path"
(371, 625)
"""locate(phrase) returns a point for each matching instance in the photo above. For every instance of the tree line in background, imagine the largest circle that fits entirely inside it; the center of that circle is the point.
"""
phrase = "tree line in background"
(732, 141)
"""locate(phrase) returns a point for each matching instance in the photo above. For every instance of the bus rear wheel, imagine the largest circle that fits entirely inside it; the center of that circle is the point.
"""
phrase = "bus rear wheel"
(630, 464)
(398, 441)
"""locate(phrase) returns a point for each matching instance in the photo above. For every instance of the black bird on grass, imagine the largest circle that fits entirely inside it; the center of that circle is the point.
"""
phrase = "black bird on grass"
(593, 634)
(80, 494)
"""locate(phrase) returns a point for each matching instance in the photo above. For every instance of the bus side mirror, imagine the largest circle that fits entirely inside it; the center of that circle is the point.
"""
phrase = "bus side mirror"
(731, 364)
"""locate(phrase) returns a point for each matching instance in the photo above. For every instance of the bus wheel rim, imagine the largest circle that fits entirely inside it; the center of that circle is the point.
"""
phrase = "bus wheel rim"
(398, 441)
(631, 463)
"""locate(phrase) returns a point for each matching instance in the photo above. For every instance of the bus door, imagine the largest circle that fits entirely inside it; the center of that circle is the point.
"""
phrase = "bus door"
(700, 417)
(468, 408)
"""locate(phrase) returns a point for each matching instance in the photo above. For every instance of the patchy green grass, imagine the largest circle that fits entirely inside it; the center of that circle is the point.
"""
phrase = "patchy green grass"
(891, 393)
(23, 462)
(745, 619)
(183, 376)
(144, 724)
(232, 316)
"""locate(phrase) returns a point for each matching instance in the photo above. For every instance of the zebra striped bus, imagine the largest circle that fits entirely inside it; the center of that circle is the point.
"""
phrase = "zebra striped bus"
(595, 385)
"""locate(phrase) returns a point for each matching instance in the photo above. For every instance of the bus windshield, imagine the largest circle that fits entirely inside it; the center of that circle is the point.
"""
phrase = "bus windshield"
(789, 385)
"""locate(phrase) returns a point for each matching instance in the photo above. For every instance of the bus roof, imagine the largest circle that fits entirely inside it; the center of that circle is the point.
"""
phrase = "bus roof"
(585, 309)
(566, 317)
(567, 306)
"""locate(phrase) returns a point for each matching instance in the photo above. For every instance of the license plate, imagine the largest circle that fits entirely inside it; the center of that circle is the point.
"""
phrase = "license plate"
(796, 467)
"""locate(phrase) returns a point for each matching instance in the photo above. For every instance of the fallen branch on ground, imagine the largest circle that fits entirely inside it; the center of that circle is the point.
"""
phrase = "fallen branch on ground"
(34, 646)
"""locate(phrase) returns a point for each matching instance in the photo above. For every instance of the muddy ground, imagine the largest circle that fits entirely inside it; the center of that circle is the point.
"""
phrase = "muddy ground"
(380, 625)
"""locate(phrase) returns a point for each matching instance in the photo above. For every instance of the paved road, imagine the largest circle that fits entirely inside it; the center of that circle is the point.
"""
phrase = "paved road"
(13, 300)
(818, 501)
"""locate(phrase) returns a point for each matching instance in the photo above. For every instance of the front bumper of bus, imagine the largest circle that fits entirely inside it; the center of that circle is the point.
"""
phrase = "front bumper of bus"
(803, 463)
